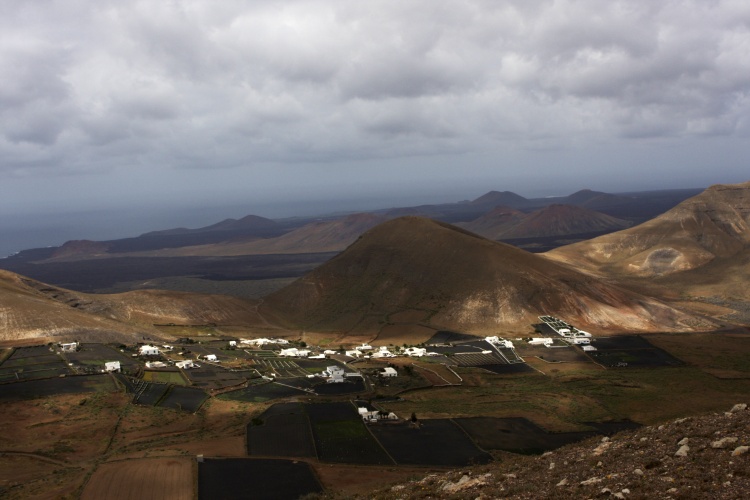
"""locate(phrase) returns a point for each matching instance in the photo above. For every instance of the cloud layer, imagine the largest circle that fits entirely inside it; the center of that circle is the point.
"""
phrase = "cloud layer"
(172, 86)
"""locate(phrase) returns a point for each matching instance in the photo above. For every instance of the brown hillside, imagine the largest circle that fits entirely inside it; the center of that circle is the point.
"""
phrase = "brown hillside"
(321, 236)
(459, 280)
(495, 223)
(712, 225)
(553, 220)
(30, 309)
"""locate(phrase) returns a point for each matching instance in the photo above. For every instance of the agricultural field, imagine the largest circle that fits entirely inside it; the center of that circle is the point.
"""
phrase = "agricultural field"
(630, 351)
(184, 398)
(437, 442)
(146, 479)
(32, 363)
(260, 393)
(95, 355)
(165, 377)
(281, 431)
(261, 479)
(213, 377)
(35, 389)
(341, 436)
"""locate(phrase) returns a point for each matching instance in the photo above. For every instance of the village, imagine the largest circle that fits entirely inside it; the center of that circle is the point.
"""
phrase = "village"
(185, 373)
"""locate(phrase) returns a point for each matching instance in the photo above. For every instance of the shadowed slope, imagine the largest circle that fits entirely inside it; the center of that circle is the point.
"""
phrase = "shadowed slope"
(553, 220)
(714, 224)
(462, 280)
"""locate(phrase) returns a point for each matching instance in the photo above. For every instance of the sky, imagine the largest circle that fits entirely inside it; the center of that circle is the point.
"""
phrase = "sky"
(121, 116)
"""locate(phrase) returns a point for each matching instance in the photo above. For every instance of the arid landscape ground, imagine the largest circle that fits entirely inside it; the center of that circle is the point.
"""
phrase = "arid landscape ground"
(663, 296)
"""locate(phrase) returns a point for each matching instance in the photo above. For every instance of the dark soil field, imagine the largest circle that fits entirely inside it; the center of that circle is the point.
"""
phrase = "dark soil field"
(520, 435)
(213, 377)
(67, 385)
(437, 442)
(448, 337)
(281, 431)
(184, 398)
(351, 386)
(566, 354)
(257, 479)
(341, 436)
(259, 393)
(150, 394)
(32, 363)
(630, 351)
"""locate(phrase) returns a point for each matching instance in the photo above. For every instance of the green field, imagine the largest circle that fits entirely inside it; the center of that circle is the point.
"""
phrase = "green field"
(175, 378)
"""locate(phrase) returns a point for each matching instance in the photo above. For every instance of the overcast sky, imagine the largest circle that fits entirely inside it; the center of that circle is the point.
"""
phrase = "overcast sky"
(157, 104)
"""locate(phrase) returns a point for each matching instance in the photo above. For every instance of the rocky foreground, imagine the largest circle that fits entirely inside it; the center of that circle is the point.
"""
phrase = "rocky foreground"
(694, 457)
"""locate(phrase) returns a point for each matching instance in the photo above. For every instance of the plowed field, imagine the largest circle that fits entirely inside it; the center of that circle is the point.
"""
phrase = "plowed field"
(144, 479)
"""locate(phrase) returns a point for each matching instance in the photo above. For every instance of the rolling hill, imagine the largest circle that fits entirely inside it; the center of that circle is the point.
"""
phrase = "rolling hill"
(446, 277)
(714, 225)
(553, 220)
(31, 309)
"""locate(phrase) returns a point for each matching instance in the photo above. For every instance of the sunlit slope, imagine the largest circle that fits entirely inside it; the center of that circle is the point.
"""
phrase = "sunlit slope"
(460, 280)
(712, 225)
(30, 309)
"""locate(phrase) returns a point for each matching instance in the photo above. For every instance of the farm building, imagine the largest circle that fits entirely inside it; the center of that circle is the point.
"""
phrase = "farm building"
(293, 352)
(155, 364)
(388, 372)
(69, 347)
(210, 357)
(383, 352)
(499, 342)
(545, 341)
(580, 341)
(188, 363)
(112, 366)
(148, 350)
(374, 416)
(417, 352)
(588, 348)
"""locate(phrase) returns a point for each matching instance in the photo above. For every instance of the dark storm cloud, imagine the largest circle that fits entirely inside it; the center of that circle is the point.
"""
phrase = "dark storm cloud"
(125, 88)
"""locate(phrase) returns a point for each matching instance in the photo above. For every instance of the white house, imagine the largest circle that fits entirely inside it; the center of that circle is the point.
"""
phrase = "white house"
(388, 372)
(257, 342)
(383, 352)
(580, 341)
(210, 357)
(155, 364)
(416, 352)
(148, 350)
(69, 347)
(188, 363)
(318, 356)
(354, 354)
(232, 343)
(588, 348)
(329, 352)
(374, 416)
(293, 352)
(364, 347)
(112, 366)
(545, 341)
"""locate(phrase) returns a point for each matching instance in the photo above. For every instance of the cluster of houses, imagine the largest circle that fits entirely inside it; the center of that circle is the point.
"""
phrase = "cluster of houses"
(568, 332)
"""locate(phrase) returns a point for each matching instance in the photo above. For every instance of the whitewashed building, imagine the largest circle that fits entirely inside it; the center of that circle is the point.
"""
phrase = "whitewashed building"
(388, 372)
(112, 366)
(148, 350)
